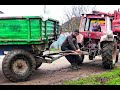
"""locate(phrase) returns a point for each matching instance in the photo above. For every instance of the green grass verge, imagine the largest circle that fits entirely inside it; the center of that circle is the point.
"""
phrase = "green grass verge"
(111, 77)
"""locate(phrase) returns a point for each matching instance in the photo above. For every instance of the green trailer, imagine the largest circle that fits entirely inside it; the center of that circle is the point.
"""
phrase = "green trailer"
(25, 38)
(27, 30)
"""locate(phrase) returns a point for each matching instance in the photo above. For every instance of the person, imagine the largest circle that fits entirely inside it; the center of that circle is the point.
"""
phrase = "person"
(70, 43)
(96, 27)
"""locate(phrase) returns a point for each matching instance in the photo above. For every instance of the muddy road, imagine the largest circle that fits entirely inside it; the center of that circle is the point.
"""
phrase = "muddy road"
(58, 71)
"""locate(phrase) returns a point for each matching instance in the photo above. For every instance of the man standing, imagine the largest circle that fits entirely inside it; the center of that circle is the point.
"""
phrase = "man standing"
(70, 43)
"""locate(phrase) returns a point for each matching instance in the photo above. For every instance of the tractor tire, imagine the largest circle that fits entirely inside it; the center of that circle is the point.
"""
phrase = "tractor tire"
(80, 59)
(109, 54)
(18, 65)
(91, 57)
(38, 64)
(117, 56)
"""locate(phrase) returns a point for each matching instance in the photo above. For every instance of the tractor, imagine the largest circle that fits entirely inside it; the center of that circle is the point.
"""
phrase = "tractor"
(102, 42)
(116, 26)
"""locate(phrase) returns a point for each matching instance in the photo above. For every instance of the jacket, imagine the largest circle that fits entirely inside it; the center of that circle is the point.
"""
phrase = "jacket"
(71, 41)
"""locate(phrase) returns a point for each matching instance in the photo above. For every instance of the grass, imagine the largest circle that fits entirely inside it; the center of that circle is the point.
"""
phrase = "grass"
(111, 77)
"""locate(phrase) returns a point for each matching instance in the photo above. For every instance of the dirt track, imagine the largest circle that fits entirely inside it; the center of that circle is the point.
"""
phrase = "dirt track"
(58, 71)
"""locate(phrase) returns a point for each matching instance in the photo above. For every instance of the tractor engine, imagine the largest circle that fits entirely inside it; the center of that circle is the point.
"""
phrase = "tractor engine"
(92, 47)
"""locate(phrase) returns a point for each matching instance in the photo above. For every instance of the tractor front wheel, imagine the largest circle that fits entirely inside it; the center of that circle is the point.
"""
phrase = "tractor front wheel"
(91, 57)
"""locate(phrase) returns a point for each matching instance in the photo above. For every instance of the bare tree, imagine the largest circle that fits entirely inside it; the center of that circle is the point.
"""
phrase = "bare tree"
(73, 16)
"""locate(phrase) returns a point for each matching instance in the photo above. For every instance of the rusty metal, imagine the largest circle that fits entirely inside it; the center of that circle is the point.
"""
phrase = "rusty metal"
(49, 58)
(71, 52)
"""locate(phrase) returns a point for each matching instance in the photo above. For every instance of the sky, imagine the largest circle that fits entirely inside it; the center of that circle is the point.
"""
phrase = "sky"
(53, 11)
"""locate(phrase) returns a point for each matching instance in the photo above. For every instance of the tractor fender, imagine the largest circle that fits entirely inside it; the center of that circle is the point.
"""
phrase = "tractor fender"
(109, 37)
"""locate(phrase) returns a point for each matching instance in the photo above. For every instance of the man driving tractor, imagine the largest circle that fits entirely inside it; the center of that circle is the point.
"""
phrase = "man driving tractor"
(96, 27)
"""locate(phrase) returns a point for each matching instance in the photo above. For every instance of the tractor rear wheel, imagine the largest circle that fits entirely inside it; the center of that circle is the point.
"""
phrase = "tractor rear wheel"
(18, 65)
(109, 54)
(117, 56)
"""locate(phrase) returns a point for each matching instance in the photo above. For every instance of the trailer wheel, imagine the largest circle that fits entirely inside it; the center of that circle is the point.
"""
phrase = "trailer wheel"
(18, 65)
(109, 55)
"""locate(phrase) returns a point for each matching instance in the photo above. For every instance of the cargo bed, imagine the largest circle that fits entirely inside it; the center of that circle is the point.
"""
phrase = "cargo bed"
(24, 30)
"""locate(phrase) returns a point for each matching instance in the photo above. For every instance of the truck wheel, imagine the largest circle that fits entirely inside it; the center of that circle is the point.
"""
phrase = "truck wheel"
(80, 59)
(18, 65)
(109, 55)
(38, 64)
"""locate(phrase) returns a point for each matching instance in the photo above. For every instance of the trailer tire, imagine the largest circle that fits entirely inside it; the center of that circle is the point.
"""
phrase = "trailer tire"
(109, 55)
(18, 65)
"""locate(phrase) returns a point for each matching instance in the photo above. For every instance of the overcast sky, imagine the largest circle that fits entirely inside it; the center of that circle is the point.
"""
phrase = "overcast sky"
(53, 11)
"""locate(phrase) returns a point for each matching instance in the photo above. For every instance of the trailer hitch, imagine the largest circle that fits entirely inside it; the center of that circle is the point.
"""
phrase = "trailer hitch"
(49, 58)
